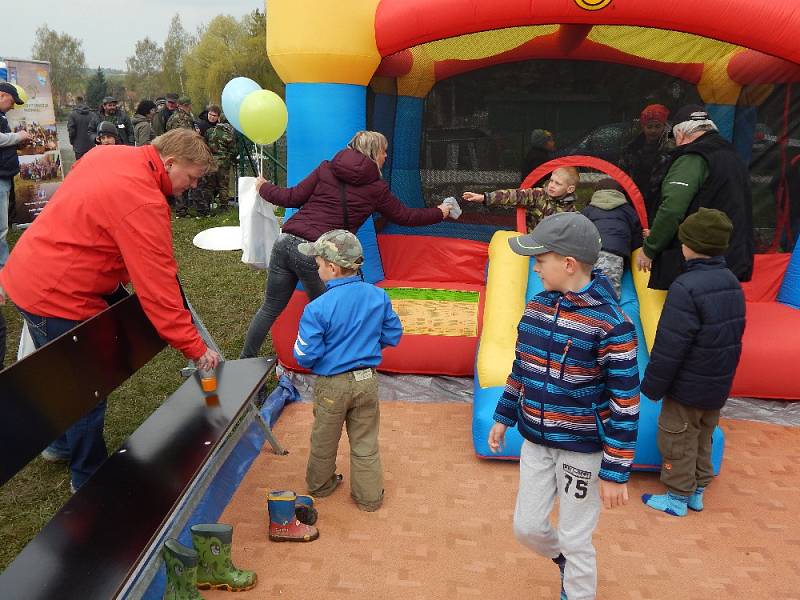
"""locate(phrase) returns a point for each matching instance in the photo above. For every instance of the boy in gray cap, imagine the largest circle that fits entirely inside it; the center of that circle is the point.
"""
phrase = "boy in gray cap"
(573, 393)
(697, 349)
(340, 338)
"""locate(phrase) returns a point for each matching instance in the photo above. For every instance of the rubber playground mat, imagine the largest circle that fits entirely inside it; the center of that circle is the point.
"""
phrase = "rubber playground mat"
(445, 531)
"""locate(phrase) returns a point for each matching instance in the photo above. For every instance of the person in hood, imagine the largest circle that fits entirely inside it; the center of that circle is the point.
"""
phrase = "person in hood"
(542, 147)
(78, 128)
(106, 134)
(341, 193)
(143, 132)
(619, 227)
(107, 225)
(573, 394)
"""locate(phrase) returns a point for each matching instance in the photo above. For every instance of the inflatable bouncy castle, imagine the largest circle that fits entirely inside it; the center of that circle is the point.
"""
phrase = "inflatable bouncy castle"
(457, 87)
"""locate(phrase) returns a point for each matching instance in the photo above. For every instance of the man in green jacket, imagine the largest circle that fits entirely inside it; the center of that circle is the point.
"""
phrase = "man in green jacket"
(705, 171)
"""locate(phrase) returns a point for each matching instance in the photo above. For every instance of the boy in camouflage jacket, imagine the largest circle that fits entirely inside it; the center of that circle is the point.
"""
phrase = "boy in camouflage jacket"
(556, 196)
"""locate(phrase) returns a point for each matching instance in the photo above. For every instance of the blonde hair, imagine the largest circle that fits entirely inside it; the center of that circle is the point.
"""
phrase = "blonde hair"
(369, 143)
(185, 145)
(570, 174)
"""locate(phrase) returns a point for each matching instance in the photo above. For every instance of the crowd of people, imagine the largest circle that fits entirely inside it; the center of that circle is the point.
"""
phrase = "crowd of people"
(110, 124)
(42, 168)
(573, 390)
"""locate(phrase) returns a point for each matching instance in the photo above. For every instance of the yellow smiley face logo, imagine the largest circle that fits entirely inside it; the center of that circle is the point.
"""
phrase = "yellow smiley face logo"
(592, 4)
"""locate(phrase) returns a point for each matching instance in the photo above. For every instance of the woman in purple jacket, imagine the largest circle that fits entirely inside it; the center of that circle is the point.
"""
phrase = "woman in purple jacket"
(339, 194)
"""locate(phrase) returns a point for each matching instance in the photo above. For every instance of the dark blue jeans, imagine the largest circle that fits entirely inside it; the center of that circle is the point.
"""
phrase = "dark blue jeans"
(83, 442)
(286, 267)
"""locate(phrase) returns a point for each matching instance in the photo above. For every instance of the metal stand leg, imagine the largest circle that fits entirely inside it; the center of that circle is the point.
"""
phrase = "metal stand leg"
(204, 333)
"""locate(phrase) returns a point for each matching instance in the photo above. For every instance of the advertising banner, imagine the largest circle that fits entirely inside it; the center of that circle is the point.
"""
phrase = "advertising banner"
(40, 171)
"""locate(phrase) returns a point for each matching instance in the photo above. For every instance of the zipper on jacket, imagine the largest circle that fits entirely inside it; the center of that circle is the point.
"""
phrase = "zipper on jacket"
(549, 357)
(564, 358)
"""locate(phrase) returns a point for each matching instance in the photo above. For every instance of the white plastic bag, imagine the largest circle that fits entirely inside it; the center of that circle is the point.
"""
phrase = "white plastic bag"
(259, 225)
(25, 342)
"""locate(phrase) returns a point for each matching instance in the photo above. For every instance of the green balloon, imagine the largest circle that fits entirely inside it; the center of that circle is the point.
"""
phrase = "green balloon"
(263, 116)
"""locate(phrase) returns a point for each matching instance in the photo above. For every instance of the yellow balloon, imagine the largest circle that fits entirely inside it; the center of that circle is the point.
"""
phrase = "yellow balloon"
(22, 95)
(263, 116)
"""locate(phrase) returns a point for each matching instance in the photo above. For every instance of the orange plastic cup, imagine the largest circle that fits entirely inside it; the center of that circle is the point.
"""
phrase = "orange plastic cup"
(209, 383)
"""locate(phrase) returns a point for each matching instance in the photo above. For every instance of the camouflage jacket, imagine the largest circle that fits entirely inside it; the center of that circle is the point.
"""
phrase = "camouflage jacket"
(221, 141)
(180, 118)
(537, 203)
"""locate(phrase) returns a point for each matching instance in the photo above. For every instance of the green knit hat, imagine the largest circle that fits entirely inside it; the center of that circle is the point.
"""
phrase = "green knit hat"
(707, 231)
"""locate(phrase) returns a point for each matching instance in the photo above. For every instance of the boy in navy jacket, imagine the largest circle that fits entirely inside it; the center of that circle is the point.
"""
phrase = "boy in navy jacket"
(694, 358)
(573, 393)
(341, 335)
(619, 227)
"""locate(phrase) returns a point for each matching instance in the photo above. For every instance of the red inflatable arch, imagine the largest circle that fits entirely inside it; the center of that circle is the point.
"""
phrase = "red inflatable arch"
(599, 164)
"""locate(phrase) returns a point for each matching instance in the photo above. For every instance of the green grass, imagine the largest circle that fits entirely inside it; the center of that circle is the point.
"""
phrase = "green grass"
(225, 293)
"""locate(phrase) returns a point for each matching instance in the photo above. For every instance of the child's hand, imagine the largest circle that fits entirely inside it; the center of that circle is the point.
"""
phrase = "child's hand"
(613, 494)
(472, 197)
(497, 437)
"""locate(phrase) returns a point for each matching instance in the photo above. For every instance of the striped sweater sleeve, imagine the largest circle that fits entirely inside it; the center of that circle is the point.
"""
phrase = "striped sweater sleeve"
(617, 356)
(506, 411)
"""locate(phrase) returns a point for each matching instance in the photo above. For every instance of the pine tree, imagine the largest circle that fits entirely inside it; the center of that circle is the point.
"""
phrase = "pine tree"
(97, 89)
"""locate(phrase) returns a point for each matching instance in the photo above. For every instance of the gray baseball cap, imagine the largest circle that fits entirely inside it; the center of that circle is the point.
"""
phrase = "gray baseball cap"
(567, 233)
(338, 246)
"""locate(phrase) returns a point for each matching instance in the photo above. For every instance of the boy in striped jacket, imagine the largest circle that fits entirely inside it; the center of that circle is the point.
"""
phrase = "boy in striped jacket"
(573, 392)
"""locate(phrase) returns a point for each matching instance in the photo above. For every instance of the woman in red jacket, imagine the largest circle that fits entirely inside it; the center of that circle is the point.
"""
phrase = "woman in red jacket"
(108, 224)
(339, 194)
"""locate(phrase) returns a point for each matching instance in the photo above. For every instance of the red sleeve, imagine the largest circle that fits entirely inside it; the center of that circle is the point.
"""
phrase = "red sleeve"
(292, 197)
(144, 238)
(397, 212)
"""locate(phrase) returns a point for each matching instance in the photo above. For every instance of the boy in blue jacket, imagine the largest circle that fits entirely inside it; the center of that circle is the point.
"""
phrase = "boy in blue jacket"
(697, 349)
(573, 393)
(341, 335)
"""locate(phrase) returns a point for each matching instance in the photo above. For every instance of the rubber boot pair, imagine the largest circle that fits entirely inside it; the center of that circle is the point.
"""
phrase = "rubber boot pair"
(208, 566)
(291, 517)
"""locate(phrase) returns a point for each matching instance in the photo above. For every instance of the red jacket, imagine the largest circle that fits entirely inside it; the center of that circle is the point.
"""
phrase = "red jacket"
(108, 223)
(319, 196)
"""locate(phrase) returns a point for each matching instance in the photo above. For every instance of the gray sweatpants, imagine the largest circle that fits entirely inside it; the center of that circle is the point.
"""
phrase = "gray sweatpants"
(545, 473)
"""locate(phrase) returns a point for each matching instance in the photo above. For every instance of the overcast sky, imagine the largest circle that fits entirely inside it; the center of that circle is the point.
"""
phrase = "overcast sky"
(108, 30)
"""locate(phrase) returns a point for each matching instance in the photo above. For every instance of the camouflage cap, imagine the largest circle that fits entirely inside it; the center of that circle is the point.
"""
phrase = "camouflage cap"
(338, 246)
(184, 100)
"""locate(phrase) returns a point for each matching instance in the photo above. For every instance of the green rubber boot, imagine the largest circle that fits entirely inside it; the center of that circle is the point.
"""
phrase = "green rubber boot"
(215, 571)
(181, 564)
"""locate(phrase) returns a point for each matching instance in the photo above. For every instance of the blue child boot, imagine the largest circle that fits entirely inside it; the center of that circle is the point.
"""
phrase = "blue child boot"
(696, 499)
(304, 509)
(284, 525)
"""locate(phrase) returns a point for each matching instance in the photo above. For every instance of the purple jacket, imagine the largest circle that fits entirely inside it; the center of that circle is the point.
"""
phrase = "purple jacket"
(319, 198)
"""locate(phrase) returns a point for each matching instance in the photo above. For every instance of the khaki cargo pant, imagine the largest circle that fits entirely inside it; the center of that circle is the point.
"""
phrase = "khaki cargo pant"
(344, 400)
(684, 440)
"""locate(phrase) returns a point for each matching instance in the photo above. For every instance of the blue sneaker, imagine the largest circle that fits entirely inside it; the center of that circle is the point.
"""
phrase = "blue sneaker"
(670, 503)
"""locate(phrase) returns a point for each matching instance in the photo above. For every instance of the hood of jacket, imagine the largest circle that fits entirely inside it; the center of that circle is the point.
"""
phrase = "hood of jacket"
(82, 109)
(608, 199)
(137, 118)
(354, 168)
